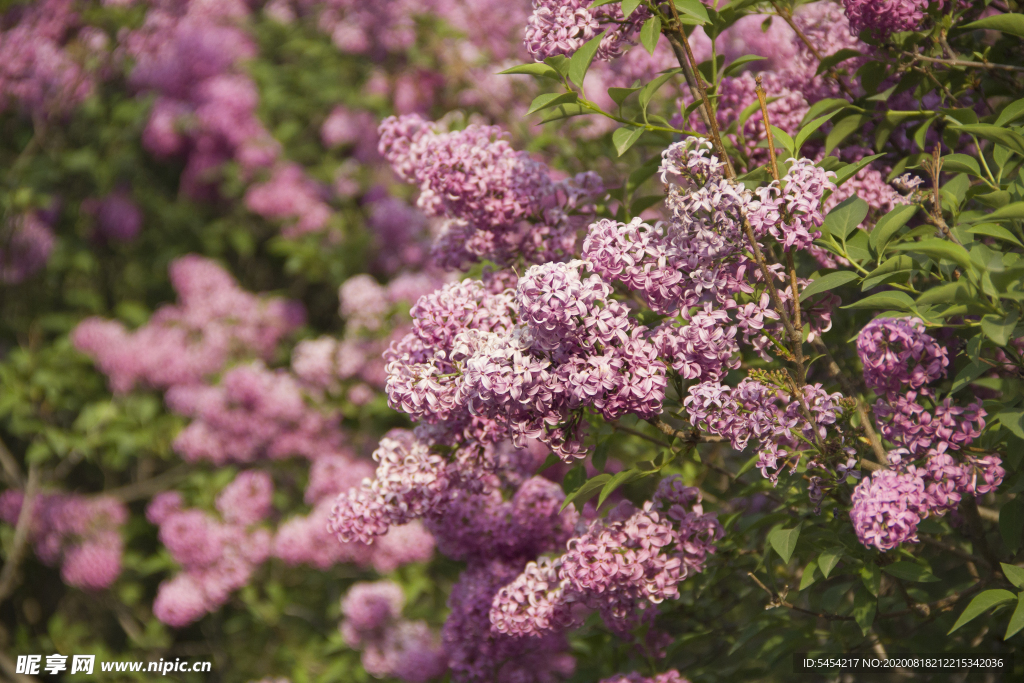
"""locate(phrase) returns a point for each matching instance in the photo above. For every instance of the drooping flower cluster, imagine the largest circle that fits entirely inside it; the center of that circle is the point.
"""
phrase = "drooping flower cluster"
(499, 204)
(391, 646)
(930, 459)
(560, 27)
(82, 534)
(620, 565)
(792, 214)
(214, 321)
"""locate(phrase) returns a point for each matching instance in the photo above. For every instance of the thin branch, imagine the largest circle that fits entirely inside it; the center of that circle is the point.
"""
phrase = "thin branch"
(692, 437)
(148, 487)
(966, 62)
(763, 101)
(776, 600)
(934, 168)
(788, 17)
(635, 432)
(9, 575)
(12, 472)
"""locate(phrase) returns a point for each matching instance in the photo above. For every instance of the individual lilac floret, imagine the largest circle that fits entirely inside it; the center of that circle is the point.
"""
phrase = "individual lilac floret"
(898, 355)
(887, 507)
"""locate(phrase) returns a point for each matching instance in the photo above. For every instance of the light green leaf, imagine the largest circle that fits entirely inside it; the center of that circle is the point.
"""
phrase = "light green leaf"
(961, 163)
(823, 107)
(910, 571)
(621, 478)
(898, 301)
(827, 282)
(865, 606)
(629, 6)
(939, 250)
(565, 111)
(1013, 573)
(625, 137)
(810, 575)
(784, 541)
(580, 62)
(993, 230)
(1013, 420)
(647, 92)
(1017, 620)
(650, 33)
(1002, 136)
(845, 217)
(844, 128)
(782, 139)
(619, 95)
(871, 575)
(1010, 212)
(550, 99)
(888, 225)
(981, 604)
(537, 69)
(828, 560)
(999, 329)
(738, 64)
(693, 8)
(1007, 23)
(893, 269)
(1010, 113)
(808, 130)
(971, 372)
(850, 170)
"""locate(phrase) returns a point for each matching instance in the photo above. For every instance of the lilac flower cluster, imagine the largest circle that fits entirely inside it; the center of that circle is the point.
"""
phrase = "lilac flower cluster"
(82, 534)
(883, 17)
(391, 646)
(633, 558)
(25, 245)
(118, 218)
(560, 27)
(930, 469)
(792, 213)
(182, 344)
(499, 204)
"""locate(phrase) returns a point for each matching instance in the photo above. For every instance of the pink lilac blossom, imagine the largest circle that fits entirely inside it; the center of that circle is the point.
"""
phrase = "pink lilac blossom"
(909, 424)
(792, 214)
(887, 507)
(670, 676)
(634, 558)
(364, 302)
(827, 28)
(292, 197)
(118, 218)
(214, 322)
(82, 534)
(560, 27)
(883, 17)
(247, 499)
(897, 354)
(25, 247)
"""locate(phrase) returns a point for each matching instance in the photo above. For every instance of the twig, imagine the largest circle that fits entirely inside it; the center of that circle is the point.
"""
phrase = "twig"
(763, 101)
(635, 432)
(12, 473)
(788, 18)
(965, 62)
(692, 437)
(8, 577)
(147, 487)
(934, 168)
(776, 600)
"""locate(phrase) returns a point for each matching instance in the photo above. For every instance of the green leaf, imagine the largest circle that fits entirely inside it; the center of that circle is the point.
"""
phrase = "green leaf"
(850, 170)
(1010, 212)
(993, 230)
(845, 217)
(981, 604)
(588, 489)
(808, 130)
(564, 111)
(693, 8)
(619, 95)
(834, 59)
(1013, 574)
(910, 571)
(939, 250)
(650, 33)
(971, 372)
(1014, 421)
(1002, 136)
(574, 478)
(1011, 527)
(625, 137)
(1007, 23)
(827, 282)
(551, 99)
(580, 62)
(537, 69)
(647, 92)
(559, 63)
(961, 163)
(823, 107)
(619, 479)
(892, 270)
(865, 606)
(784, 542)
(782, 138)
(888, 225)
(600, 457)
(1017, 620)
(844, 128)
(552, 459)
(943, 294)
(999, 329)
(828, 560)
(1010, 113)
(898, 301)
(738, 64)
(871, 576)
(629, 6)
(809, 576)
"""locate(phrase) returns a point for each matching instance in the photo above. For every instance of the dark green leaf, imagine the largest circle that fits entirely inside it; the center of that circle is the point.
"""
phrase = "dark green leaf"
(834, 59)
(961, 163)
(647, 92)
(845, 217)
(844, 128)
(809, 129)
(551, 99)
(784, 541)
(1009, 212)
(871, 576)
(552, 459)
(850, 170)
(564, 111)
(865, 606)
(588, 489)
(894, 269)
(1010, 113)
(828, 560)
(738, 63)
(650, 33)
(625, 137)
(616, 481)
(600, 457)
(888, 225)
(810, 575)
(1003, 136)
(827, 282)
(823, 107)
(910, 571)
(580, 62)
(1013, 574)
(574, 478)
(1011, 526)
(1007, 23)
(981, 604)
(971, 372)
